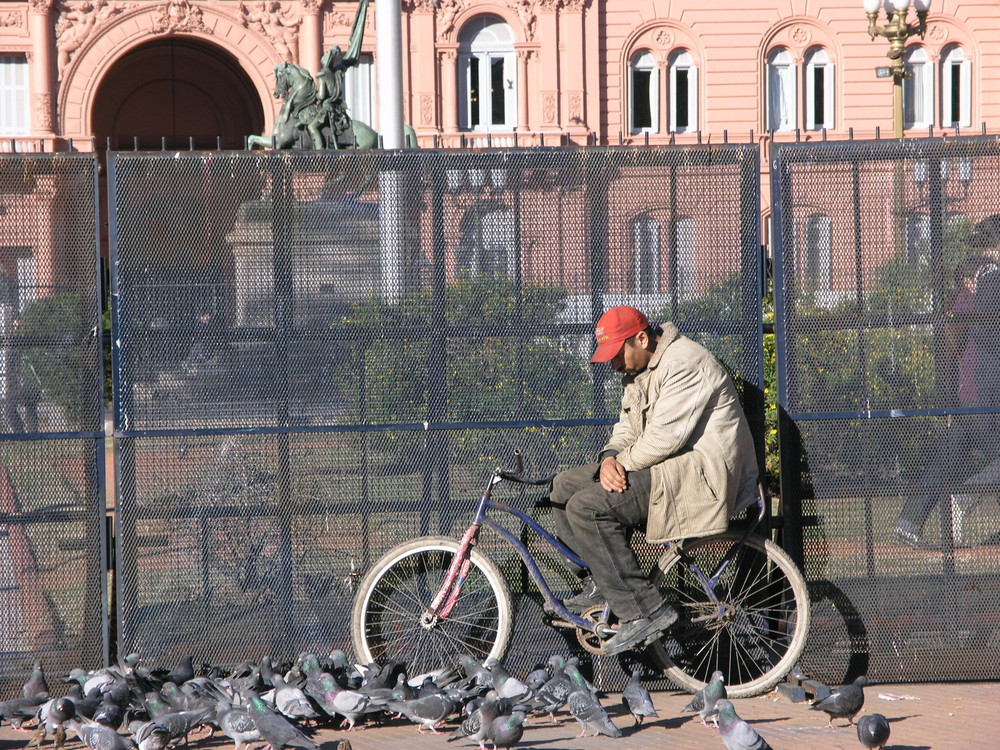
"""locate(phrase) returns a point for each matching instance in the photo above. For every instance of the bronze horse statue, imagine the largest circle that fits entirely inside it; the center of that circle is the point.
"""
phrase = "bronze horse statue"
(304, 120)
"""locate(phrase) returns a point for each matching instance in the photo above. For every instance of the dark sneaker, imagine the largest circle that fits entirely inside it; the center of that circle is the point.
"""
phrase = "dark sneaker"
(637, 632)
(909, 535)
(591, 596)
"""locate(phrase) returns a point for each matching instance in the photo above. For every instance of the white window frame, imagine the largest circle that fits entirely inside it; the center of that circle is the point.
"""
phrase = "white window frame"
(917, 237)
(818, 247)
(684, 238)
(918, 89)
(818, 64)
(15, 109)
(485, 42)
(682, 63)
(489, 247)
(955, 64)
(782, 104)
(645, 255)
(358, 89)
(643, 62)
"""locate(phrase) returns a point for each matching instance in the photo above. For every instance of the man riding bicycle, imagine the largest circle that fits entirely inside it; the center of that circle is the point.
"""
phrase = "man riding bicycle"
(680, 460)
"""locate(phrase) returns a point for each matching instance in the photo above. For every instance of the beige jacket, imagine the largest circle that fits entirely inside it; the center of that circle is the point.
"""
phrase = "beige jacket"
(682, 419)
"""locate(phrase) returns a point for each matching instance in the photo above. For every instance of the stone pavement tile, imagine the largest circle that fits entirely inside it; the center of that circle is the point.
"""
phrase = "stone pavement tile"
(931, 716)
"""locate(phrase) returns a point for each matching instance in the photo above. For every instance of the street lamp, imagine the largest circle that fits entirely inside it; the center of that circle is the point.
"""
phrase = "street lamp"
(897, 31)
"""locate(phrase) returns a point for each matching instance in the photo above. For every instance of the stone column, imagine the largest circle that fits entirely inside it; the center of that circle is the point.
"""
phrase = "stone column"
(522, 89)
(311, 35)
(42, 66)
(449, 89)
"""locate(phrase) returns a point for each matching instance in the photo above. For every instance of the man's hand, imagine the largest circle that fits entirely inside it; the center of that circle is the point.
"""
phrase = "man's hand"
(613, 477)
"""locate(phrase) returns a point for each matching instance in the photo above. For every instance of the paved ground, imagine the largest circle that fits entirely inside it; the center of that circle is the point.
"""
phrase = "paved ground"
(941, 716)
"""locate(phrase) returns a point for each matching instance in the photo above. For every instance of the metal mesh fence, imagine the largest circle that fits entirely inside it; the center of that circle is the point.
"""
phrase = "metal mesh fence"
(52, 533)
(886, 298)
(320, 355)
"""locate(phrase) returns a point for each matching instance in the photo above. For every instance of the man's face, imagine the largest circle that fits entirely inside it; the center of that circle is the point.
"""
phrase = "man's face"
(633, 356)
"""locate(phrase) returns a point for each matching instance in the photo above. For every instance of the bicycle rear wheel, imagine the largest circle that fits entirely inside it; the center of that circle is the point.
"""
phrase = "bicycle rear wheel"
(388, 622)
(761, 630)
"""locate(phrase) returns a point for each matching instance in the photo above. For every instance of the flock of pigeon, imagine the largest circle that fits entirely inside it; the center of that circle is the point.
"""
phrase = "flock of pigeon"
(131, 707)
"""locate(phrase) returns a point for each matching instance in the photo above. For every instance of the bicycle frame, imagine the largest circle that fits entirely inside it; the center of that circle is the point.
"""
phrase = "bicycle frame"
(451, 587)
(708, 583)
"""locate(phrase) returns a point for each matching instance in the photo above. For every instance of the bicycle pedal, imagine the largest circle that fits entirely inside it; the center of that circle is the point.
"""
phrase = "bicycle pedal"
(557, 623)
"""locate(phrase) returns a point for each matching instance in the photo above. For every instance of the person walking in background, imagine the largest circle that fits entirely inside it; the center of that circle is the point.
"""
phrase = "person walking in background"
(962, 439)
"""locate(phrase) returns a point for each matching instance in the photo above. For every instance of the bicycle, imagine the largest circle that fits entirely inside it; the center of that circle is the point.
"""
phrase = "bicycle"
(432, 600)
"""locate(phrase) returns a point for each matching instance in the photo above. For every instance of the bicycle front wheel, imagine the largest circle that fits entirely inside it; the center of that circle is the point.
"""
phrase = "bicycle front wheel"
(756, 632)
(389, 622)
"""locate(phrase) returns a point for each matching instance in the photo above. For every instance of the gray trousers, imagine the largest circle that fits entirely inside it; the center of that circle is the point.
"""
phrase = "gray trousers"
(597, 526)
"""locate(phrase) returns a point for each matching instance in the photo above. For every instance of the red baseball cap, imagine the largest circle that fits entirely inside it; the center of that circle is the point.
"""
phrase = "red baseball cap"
(616, 325)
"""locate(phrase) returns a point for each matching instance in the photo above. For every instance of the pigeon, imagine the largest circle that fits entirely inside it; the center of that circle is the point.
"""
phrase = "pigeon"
(292, 701)
(586, 709)
(873, 731)
(537, 677)
(736, 733)
(506, 730)
(275, 729)
(553, 695)
(477, 724)
(637, 699)
(99, 737)
(425, 712)
(844, 702)
(351, 704)
(236, 723)
(151, 736)
(506, 685)
(52, 717)
(704, 701)
(19, 710)
(174, 726)
(182, 672)
(36, 684)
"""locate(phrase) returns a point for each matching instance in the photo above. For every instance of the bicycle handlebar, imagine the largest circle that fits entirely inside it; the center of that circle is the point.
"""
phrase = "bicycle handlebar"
(518, 474)
(520, 479)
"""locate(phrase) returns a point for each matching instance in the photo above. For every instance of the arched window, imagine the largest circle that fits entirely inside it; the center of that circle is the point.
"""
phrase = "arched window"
(817, 252)
(488, 71)
(918, 89)
(956, 85)
(644, 100)
(487, 244)
(818, 90)
(645, 255)
(15, 116)
(683, 92)
(781, 98)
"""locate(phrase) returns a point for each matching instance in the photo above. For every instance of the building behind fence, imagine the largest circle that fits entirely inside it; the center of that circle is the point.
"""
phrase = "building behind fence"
(318, 355)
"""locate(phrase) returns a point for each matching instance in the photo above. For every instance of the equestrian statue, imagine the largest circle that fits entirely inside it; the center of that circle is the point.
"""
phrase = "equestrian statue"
(313, 112)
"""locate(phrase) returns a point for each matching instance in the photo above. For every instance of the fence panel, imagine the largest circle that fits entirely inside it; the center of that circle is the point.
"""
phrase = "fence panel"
(52, 531)
(319, 355)
(886, 378)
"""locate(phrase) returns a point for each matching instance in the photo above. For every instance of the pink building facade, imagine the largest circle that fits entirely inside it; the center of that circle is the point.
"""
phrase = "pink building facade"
(494, 72)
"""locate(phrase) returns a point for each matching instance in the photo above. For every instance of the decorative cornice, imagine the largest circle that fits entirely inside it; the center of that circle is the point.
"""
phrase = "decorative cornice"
(41, 6)
(12, 19)
(446, 12)
(77, 23)
(280, 24)
(525, 10)
(178, 15)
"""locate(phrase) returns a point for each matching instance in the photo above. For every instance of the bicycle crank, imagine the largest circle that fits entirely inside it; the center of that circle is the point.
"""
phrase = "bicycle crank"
(589, 638)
